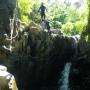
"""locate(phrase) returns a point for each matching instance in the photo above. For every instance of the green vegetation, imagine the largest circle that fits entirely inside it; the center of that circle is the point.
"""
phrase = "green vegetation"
(24, 9)
(71, 19)
(87, 32)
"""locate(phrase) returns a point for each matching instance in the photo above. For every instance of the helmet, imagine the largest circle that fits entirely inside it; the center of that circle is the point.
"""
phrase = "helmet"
(3, 68)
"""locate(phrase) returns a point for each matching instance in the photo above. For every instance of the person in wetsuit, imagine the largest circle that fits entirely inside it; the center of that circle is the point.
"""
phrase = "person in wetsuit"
(42, 10)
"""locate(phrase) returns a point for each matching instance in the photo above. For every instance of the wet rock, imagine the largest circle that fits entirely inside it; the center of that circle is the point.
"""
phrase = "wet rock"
(41, 67)
(80, 73)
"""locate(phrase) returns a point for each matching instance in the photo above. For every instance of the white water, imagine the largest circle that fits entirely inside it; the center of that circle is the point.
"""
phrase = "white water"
(65, 78)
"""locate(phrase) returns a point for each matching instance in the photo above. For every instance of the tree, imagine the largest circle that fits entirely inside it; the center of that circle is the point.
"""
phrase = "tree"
(62, 14)
(24, 8)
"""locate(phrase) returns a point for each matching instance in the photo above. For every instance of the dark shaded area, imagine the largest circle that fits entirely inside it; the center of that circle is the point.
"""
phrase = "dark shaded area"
(80, 73)
(41, 67)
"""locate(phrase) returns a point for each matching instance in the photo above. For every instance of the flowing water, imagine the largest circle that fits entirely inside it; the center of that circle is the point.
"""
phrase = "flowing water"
(64, 81)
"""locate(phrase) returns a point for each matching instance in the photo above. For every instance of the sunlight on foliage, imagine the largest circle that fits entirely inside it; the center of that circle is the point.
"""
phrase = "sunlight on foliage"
(68, 15)
(80, 26)
(67, 28)
(71, 18)
(24, 8)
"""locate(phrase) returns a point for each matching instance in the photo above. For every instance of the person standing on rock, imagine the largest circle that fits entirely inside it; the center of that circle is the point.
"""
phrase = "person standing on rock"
(42, 10)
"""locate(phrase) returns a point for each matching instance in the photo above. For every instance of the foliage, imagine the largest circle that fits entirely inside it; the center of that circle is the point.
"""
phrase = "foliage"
(34, 14)
(67, 28)
(68, 17)
(24, 8)
(86, 33)
(56, 24)
(88, 25)
(79, 25)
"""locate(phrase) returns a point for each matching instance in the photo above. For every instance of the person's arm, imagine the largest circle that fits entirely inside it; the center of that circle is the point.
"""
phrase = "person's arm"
(39, 9)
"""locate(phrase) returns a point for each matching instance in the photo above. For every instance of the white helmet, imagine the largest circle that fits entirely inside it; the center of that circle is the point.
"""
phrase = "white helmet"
(3, 68)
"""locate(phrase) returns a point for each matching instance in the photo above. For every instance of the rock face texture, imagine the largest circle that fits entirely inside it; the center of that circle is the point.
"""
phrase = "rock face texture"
(39, 59)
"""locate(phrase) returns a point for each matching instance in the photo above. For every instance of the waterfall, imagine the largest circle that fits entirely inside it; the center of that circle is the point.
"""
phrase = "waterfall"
(64, 81)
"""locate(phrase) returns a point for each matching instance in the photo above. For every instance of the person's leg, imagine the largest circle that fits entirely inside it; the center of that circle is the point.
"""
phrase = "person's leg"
(44, 16)
(41, 17)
